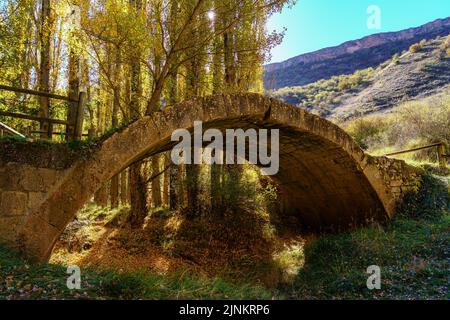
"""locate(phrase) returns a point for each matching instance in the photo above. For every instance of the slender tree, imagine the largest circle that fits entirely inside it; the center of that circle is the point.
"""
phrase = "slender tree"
(45, 37)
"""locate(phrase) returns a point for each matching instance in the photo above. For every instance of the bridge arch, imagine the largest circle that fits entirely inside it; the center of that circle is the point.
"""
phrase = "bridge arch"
(324, 175)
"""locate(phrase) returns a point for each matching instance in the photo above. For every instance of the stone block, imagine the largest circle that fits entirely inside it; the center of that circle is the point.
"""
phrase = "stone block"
(9, 178)
(37, 179)
(35, 198)
(9, 228)
(19, 177)
(13, 203)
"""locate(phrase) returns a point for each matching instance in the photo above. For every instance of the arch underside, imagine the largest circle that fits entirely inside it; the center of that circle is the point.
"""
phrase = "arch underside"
(321, 184)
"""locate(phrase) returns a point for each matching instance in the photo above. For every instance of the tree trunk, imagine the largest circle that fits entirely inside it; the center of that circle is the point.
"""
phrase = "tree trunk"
(114, 122)
(167, 163)
(230, 67)
(44, 72)
(135, 90)
(216, 187)
(101, 196)
(192, 188)
(123, 187)
(137, 184)
(138, 196)
(193, 88)
(174, 171)
(114, 191)
(156, 182)
(216, 173)
(175, 188)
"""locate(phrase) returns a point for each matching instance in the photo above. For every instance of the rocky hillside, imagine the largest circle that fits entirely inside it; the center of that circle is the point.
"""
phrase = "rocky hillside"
(421, 71)
(349, 57)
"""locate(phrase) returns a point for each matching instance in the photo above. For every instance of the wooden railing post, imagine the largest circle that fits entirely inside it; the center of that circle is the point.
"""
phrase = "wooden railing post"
(50, 131)
(45, 130)
(78, 126)
(441, 156)
(71, 119)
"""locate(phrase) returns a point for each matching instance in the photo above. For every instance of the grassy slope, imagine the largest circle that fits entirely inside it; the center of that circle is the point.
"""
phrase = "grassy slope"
(409, 76)
(412, 251)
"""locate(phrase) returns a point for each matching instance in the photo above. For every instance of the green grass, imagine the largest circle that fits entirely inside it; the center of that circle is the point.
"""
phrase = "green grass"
(412, 255)
(21, 280)
(412, 250)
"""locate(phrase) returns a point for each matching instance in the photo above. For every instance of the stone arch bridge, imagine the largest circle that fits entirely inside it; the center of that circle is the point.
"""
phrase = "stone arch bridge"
(324, 176)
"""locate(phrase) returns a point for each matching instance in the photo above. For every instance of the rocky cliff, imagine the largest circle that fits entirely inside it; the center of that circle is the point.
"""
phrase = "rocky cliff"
(349, 56)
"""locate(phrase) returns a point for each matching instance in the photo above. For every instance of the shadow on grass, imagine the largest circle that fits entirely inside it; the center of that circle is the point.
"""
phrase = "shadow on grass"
(412, 252)
(238, 248)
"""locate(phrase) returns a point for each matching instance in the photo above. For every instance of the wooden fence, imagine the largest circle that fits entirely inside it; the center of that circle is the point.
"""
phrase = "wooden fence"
(73, 123)
(440, 149)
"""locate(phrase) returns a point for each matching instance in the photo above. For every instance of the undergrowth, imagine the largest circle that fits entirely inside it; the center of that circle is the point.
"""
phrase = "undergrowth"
(22, 280)
(412, 251)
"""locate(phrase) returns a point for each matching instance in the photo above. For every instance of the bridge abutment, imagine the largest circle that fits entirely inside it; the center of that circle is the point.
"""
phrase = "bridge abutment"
(23, 188)
(392, 179)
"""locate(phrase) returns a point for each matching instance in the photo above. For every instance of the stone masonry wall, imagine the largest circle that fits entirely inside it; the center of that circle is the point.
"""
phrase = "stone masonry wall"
(397, 176)
(22, 187)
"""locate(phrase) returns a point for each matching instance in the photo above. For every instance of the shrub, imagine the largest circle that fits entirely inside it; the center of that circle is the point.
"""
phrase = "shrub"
(447, 41)
(412, 124)
(439, 53)
(323, 92)
(343, 85)
(396, 59)
(363, 129)
(415, 48)
(427, 119)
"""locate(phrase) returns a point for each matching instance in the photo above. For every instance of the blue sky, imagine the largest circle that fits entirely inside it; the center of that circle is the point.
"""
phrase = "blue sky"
(316, 24)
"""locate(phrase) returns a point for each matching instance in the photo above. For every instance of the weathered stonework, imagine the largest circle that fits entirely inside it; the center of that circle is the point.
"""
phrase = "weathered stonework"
(325, 178)
(13, 203)
(9, 229)
(395, 176)
(22, 188)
